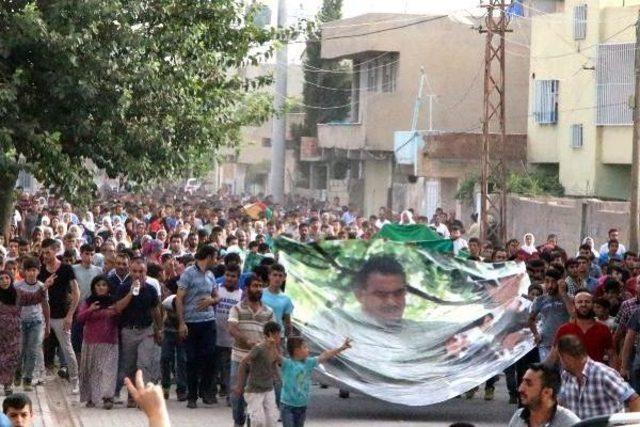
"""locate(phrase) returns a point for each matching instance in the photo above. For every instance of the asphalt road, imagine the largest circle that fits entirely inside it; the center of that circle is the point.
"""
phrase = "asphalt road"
(327, 409)
(55, 407)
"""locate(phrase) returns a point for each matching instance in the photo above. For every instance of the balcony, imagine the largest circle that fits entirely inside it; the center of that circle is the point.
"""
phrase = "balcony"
(468, 146)
(345, 136)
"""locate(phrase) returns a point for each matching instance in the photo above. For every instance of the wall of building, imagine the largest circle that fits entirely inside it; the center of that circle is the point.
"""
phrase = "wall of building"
(571, 219)
(555, 55)
(456, 79)
(377, 181)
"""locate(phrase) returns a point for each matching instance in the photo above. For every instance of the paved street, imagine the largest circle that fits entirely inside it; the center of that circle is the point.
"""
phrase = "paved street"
(59, 410)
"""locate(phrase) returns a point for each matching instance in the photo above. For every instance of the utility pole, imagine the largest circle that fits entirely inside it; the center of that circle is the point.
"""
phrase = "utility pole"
(635, 151)
(493, 165)
(279, 131)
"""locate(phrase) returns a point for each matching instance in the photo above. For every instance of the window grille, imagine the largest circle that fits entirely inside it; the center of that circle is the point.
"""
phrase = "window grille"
(576, 136)
(615, 84)
(545, 107)
(580, 22)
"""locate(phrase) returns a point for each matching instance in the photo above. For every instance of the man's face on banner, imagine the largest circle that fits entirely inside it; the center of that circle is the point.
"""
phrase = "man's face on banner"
(384, 296)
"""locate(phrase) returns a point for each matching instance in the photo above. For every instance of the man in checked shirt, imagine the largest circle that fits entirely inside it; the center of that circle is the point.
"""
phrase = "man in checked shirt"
(590, 388)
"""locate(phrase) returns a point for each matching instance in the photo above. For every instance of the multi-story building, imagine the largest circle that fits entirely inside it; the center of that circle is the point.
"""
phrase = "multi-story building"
(247, 168)
(388, 53)
(581, 91)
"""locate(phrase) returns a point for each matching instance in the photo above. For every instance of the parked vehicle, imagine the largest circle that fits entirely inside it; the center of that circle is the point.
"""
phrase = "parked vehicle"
(622, 419)
(192, 185)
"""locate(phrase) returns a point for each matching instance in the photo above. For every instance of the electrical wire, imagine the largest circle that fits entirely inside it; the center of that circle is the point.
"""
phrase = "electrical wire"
(382, 30)
(530, 115)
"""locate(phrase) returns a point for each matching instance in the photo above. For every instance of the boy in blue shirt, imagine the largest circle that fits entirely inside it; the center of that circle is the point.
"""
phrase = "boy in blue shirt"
(274, 298)
(296, 379)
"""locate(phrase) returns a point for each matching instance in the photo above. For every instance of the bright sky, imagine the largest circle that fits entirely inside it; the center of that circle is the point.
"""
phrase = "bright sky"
(297, 9)
(309, 8)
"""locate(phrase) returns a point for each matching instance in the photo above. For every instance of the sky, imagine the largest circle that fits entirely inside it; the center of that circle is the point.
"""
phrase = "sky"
(351, 8)
(298, 9)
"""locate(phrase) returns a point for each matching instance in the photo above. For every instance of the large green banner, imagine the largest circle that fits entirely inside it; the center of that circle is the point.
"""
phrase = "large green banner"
(425, 326)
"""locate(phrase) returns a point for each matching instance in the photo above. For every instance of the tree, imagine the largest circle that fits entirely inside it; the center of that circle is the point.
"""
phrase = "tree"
(143, 89)
(327, 82)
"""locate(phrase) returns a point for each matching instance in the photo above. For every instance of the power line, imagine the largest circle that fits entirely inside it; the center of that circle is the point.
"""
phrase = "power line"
(382, 30)
(369, 61)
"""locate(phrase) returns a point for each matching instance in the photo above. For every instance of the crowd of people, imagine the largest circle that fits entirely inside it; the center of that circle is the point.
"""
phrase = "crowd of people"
(189, 292)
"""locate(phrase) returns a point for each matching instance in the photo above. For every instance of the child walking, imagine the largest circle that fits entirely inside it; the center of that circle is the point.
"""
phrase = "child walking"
(296, 379)
(35, 325)
(262, 366)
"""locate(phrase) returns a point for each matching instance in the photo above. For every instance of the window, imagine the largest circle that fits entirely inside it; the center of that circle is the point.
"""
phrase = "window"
(266, 142)
(545, 107)
(614, 84)
(576, 136)
(372, 76)
(382, 73)
(389, 76)
(580, 22)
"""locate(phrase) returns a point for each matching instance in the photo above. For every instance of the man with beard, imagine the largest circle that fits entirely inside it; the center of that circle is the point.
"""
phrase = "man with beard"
(554, 307)
(595, 336)
(538, 394)
(246, 322)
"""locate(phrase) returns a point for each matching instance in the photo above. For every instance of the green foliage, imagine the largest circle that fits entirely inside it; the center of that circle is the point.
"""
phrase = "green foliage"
(536, 183)
(143, 89)
(324, 89)
(466, 188)
(529, 183)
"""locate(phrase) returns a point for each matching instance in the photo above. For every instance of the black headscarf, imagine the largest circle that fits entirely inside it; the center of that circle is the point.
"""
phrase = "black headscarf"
(105, 301)
(10, 295)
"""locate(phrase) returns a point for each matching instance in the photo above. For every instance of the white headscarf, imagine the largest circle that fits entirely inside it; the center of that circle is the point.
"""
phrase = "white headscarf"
(409, 217)
(589, 241)
(88, 222)
(530, 249)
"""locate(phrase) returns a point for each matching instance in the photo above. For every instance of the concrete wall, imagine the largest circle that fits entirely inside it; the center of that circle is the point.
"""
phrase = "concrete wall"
(571, 219)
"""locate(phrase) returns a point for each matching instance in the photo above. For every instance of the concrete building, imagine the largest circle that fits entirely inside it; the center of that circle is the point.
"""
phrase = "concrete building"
(581, 85)
(246, 169)
(388, 52)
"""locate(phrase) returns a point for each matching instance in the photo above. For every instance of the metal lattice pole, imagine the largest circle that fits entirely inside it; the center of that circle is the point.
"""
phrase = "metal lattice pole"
(493, 167)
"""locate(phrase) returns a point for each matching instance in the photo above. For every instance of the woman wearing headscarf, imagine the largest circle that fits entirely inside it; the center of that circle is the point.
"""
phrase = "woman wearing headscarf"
(99, 362)
(88, 222)
(121, 237)
(11, 302)
(529, 245)
(406, 217)
(589, 241)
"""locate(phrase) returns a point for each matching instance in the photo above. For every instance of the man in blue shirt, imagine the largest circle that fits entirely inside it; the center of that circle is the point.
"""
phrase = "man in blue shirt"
(612, 254)
(276, 300)
(195, 299)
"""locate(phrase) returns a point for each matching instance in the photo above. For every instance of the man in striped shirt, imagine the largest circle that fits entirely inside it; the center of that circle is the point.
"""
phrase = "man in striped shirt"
(246, 322)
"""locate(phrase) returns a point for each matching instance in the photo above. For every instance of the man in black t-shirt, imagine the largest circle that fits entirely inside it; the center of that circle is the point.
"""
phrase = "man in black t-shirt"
(64, 295)
(138, 304)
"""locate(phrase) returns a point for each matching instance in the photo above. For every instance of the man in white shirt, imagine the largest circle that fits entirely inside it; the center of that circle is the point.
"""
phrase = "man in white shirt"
(614, 234)
(458, 242)
(440, 227)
